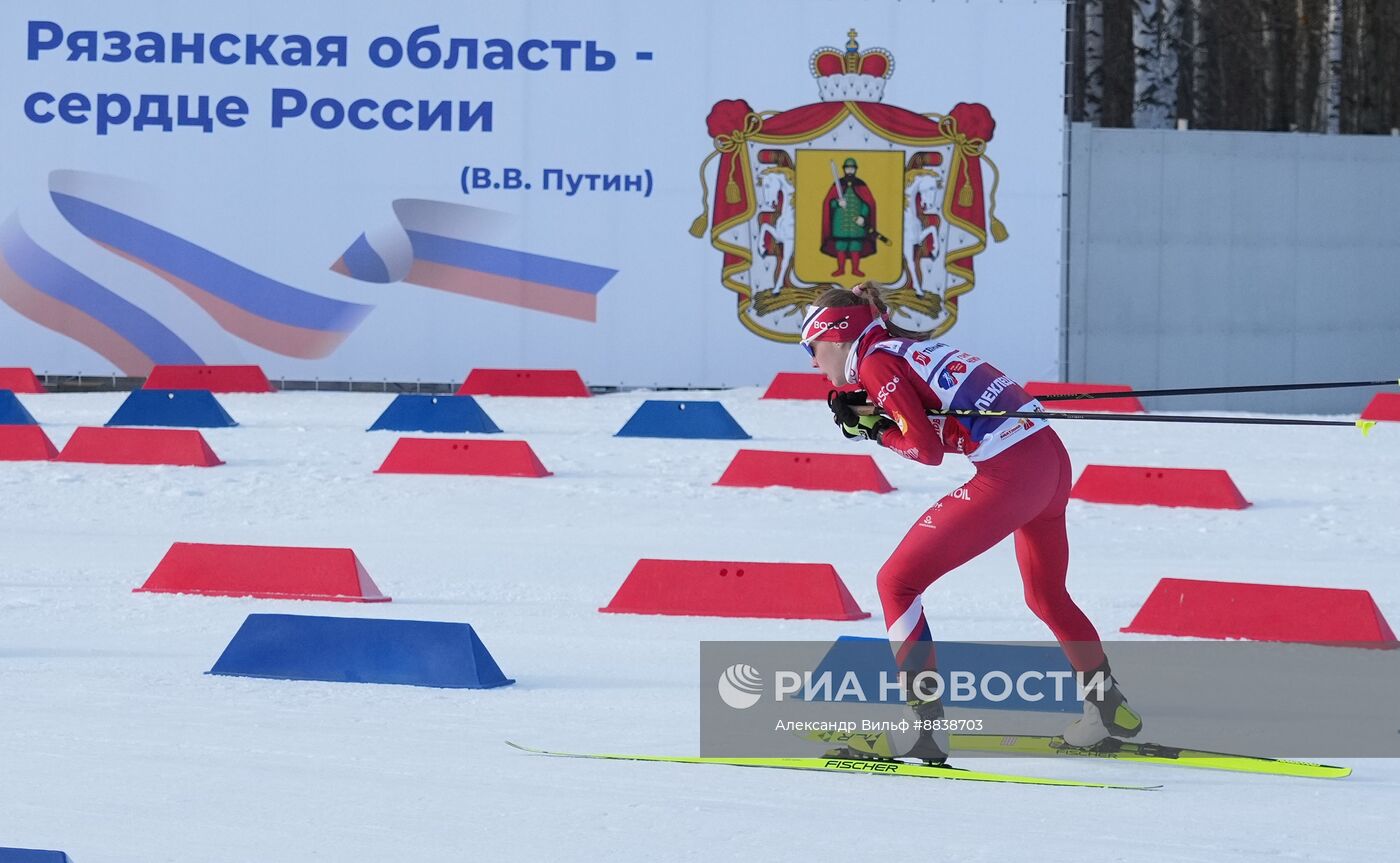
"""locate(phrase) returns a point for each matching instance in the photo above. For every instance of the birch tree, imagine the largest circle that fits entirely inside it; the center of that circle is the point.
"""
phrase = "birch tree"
(1156, 32)
(1330, 82)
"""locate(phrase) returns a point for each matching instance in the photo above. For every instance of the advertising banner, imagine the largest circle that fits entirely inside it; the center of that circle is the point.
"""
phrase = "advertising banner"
(648, 194)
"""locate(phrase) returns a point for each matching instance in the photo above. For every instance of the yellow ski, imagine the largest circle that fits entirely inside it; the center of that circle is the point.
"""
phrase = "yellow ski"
(849, 765)
(1150, 753)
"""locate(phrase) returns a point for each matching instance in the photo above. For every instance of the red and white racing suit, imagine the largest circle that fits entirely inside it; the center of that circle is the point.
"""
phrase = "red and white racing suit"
(1020, 488)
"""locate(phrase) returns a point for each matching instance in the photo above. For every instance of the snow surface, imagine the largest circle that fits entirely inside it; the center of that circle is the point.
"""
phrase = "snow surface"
(115, 746)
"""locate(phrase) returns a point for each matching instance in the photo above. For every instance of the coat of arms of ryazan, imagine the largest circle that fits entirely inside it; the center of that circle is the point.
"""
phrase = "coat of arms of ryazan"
(844, 190)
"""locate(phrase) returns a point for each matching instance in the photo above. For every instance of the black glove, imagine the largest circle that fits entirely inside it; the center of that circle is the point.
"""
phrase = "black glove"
(842, 404)
(852, 424)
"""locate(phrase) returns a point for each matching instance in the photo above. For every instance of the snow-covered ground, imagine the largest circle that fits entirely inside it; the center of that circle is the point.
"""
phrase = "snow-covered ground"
(115, 746)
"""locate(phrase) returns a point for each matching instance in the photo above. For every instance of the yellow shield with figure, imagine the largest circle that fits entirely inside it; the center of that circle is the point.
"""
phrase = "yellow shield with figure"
(842, 238)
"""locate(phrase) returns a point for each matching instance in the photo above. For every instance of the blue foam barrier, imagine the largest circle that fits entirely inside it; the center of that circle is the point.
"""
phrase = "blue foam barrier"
(434, 414)
(689, 420)
(359, 650)
(12, 412)
(867, 658)
(178, 408)
(29, 855)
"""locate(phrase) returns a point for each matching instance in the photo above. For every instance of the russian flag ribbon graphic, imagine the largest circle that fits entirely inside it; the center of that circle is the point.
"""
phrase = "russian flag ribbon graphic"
(117, 215)
(54, 295)
(458, 248)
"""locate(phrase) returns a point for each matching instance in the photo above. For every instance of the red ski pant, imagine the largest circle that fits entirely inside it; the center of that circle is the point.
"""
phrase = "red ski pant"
(1020, 492)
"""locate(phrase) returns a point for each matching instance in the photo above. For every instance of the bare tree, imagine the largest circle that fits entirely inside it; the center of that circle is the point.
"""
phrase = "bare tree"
(1198, 50)
(1354, 70)
(1308, 65)
(1156, 31)
(1269, 68)
(1330, 83)
(1303, 45)
(1093, 61)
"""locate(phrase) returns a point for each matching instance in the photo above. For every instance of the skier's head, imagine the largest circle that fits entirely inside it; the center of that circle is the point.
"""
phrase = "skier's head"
(832, 327)
(838, 319)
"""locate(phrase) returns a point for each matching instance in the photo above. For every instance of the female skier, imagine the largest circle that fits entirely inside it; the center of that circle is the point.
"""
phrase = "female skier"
(1020, 489)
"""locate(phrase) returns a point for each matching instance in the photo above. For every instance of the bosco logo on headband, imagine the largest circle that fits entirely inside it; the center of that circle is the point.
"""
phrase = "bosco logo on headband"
(835, 323)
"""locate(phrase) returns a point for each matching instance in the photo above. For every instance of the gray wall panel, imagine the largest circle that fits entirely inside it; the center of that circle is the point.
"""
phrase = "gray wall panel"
(1225, 258)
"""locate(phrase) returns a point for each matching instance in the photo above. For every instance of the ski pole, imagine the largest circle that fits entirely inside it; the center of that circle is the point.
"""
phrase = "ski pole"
(1364, 425)
(1197, 391)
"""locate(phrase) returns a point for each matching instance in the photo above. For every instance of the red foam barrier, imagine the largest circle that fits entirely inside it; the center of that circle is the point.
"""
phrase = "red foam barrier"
(215, 379)
(801, 385)
(752, 468)
(20, 380)
(1384, 407)
(1129, 405)
(1158, 486)
(263, 572)
(556, 383)
(470, 457)
(25, 443)
(708, 588)
(182, 447)
(1262, 612)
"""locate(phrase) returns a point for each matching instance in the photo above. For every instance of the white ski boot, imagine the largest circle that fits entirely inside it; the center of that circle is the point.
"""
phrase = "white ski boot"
(1106, 714)
(928, 744)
